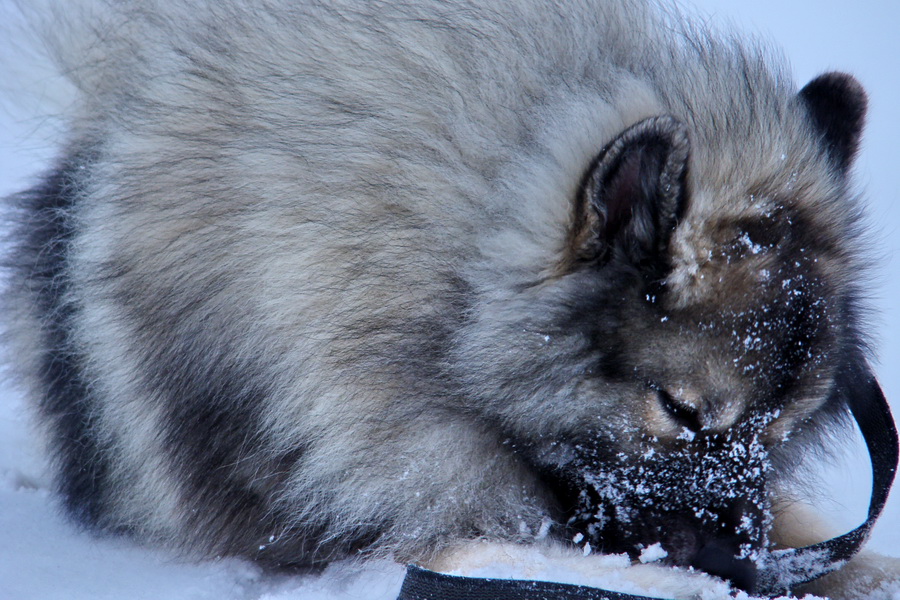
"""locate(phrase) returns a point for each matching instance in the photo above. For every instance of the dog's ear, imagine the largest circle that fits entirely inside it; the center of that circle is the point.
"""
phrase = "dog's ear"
(837, 107)
(633, 194)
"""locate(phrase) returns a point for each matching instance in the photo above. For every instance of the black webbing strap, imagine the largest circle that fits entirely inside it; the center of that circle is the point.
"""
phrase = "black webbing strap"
(782, 571)
(422, 584)
(787, 569)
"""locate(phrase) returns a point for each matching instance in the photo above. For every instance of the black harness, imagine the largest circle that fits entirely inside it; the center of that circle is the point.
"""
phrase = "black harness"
(781, 572)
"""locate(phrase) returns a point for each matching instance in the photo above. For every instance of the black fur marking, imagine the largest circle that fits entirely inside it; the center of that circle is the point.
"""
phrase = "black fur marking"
(214, 432)
(212, 395)
(41, 267)
(207, 419)
(837, 106)
(211, 422)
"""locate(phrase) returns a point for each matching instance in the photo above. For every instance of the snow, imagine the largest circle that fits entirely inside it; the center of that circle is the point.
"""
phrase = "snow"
(613, 572)
(43, 556)
(652, 553)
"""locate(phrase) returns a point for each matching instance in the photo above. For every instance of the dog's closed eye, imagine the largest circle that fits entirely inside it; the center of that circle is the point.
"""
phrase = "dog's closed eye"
(681, 414)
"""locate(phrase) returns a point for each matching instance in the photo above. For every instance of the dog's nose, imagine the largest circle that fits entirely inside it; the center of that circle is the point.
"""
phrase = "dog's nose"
(719, 558)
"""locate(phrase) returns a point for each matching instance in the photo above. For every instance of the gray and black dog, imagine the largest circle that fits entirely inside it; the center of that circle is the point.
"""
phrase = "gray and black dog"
(314, 278)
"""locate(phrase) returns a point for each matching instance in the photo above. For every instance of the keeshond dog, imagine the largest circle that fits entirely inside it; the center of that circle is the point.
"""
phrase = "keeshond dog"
(317, 278)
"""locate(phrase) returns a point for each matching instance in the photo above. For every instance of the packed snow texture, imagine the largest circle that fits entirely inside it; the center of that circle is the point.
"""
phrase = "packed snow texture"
(610, 572)
(43, 556)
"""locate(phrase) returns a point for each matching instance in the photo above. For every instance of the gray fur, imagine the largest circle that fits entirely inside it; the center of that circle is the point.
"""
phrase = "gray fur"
(309, 279)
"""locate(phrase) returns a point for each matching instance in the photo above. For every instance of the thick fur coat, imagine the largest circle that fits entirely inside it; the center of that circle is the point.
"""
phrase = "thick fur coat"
(322, 277)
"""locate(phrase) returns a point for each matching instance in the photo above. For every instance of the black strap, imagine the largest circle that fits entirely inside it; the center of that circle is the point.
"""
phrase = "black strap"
(422, 584)
(784, 570)
(790, 568)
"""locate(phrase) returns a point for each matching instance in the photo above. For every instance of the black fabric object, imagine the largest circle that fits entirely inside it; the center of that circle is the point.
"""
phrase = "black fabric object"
(779, 574)
(787, 568)
(422, 584)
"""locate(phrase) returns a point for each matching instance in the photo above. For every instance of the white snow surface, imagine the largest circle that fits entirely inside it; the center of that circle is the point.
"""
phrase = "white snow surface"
(653, 553)
(610, 572)
(43, 556)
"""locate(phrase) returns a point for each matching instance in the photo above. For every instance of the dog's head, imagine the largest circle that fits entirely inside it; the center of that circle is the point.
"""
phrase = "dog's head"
(712, 318)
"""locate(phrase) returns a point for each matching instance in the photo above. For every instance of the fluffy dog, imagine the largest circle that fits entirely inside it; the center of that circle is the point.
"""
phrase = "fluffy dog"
(318, 278)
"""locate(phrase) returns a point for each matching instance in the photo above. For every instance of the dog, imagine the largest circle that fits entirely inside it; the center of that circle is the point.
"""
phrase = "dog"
(318, 279)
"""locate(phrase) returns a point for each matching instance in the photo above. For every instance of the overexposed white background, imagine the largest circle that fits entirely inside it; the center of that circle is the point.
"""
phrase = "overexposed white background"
(42, 556)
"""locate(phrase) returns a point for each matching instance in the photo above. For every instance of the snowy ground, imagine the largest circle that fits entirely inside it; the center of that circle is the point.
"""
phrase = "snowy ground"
(43, 557)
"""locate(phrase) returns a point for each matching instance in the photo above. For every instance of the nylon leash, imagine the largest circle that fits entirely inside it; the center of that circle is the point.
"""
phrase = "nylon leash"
(782, 571)
(790, 567)
(422, 584)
